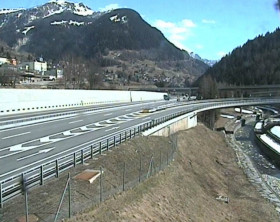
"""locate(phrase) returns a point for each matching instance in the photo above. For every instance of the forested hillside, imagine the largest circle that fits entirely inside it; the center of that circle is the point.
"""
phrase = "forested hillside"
(255, 63)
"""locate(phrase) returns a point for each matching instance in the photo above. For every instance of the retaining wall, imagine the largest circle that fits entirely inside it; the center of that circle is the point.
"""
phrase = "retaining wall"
(170, 127)
(28, 100)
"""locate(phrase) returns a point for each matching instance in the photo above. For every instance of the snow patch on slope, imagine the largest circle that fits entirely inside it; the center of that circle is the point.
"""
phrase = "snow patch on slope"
(71, 22)
(80, 9)
(8, 11)
(27, 29)
(59, 2)
(55, 12)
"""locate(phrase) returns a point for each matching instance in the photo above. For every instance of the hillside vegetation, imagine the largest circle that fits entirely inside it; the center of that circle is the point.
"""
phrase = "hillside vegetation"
(255, 63)
(203, 170)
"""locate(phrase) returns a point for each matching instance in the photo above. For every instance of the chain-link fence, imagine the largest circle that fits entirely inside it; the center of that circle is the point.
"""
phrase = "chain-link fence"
(121, 169)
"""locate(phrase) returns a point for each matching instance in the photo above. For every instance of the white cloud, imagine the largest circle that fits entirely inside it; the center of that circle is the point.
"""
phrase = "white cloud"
(207, 21)
(199, 46)
(109, 7)
(188, 23)
(177, 33)
(221, 54)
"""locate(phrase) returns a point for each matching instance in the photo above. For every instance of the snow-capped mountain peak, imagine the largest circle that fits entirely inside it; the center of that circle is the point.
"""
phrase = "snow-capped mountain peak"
(207, 61)
(77, 8)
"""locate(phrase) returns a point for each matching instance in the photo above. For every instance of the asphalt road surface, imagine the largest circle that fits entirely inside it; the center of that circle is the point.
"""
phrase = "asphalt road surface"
(25, 145)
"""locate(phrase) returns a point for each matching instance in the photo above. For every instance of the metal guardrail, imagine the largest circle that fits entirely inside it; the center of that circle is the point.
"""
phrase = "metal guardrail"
(12, 186)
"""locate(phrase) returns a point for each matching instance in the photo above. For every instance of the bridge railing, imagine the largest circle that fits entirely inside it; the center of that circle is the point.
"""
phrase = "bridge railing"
(11, 185)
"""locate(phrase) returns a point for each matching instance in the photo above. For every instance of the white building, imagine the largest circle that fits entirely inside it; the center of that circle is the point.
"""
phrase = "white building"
(4, 61)
(40, 66)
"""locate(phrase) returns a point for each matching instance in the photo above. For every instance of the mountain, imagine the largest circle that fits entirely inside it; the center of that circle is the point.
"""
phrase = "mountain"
(255, 63)
(206, 61)
(122, 46)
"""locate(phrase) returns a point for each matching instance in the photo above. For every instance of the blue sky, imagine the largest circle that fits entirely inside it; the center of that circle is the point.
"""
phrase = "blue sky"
(208, 28)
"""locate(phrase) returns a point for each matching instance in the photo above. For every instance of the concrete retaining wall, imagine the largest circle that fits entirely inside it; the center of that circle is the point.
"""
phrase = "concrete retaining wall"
(28, 100)
(172, 126)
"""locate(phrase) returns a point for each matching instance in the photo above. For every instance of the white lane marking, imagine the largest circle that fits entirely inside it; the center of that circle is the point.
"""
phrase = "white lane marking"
(20, 134)
(84, 128)
(67, 133)
(147, 118)
(108, 114)
(25, 157)
(76, 121)
(34, 154)
(21, 148)
(58, 154)
(114, 128)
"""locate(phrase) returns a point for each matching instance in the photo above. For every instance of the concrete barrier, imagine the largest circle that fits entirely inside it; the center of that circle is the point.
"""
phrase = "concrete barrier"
(172, 126)
(27, 100)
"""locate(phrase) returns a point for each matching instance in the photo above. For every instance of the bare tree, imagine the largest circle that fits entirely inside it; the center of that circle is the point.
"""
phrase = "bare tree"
(75, 72)
(94, 71)
(208, 88)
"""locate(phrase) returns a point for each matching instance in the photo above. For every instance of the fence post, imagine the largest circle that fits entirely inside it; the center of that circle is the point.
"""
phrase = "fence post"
(100, 184)
(62, 197)
(140, 169)
(91, 152)
(57, 168)
(150, 170)
(114, 141)
(107, 144)
(100, 148)
(82, 156)
(1, 195)
(69, 195)
(24, 190)
(134, 132)
(74, 157)
(41, 175)
(160, 160)
(120, 138)
(125, 136)
(123, 176)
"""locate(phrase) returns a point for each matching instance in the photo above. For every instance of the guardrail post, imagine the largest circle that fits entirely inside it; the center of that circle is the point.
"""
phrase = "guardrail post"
(125, 136)
(120, 138)
(57, 168)
(107, 144)
(91, 152)
(1, 195)
(114, 141)
(41, 175)
(82, 156)
(130, 133)
(100, 148)
(74, 161)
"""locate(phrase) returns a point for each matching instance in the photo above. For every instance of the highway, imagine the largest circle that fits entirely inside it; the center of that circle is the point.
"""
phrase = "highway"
(28, 145)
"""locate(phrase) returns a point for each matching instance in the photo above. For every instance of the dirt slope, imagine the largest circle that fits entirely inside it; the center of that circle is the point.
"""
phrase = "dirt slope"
(204, 168)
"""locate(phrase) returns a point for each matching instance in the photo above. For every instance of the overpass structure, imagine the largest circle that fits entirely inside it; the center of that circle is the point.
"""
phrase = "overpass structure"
(228, 91)
(36, 151)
